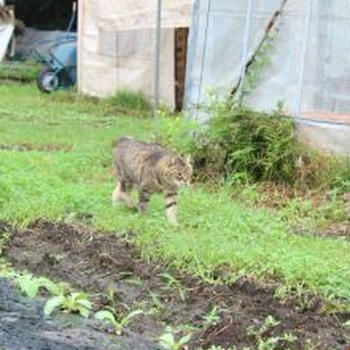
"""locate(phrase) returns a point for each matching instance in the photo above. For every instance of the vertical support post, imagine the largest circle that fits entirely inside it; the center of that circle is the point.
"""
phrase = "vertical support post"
(156, 66)
(297, 111)
(246, 36)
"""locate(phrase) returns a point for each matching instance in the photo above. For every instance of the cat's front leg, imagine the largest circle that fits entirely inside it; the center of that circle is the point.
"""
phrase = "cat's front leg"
(144, 197)
(171, 206)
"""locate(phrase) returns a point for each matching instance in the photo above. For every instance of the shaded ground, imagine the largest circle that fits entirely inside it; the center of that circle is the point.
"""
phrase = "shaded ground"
(95, 262)
(22, 323)
(27, 147)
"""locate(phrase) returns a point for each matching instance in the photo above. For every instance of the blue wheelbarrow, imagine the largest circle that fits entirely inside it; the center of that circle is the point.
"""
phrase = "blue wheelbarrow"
(60, 59)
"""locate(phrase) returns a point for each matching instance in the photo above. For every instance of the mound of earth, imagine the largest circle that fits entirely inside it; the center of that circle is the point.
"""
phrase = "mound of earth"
(94, 263)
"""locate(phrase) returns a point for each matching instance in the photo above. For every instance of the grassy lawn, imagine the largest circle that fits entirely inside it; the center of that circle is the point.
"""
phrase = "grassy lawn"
(67, 176)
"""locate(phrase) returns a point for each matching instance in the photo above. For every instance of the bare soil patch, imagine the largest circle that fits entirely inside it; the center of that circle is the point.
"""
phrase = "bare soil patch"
(94, 262)
(27, 147)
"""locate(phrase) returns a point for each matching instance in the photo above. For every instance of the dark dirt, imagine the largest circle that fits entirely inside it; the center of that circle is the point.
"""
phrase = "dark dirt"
(22, 323)
(27, 147)
(94, 262)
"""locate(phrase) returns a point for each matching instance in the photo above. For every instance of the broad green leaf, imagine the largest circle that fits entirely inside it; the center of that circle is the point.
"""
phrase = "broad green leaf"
(84, 311)
(85, 303)
(185, 339)
(105, 316)
(132, 314)
(167, 340)
(28, 285)
(52, 303)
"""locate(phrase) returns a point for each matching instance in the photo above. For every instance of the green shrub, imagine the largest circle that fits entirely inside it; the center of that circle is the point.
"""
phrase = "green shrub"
(239, 140)
(243, 145)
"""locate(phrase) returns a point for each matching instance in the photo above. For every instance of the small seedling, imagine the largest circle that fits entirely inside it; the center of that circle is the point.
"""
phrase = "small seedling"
(31, 285)
(269, 343)
(215, 347)
(28, 285)
(212, 317)
(157, 305)
(167, 340)
(172, 282)
(118, 321)
(76, 302)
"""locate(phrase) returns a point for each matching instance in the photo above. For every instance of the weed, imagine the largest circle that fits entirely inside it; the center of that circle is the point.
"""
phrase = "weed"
(75, 302)
(261, 60)
(216, 347)
(119, 322)
(31, 285)
(167, 340)
(129, 100)
(172, 282)
(212, 317)
(303, 297)
(265, 342)
(309, 345)
(157, 305)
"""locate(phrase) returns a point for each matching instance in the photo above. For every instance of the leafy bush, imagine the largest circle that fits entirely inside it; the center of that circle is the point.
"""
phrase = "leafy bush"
(243, 145)
(239, 140)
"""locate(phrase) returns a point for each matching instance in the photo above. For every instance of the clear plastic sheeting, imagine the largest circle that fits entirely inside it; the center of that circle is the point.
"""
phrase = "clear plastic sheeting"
(215, 62)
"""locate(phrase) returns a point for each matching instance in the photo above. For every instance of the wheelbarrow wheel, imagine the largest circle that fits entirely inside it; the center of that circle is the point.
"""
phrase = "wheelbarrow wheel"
(48, 80)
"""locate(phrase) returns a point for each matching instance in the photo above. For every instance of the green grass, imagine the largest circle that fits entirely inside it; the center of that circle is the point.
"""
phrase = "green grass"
(18, 71)
(214, 230)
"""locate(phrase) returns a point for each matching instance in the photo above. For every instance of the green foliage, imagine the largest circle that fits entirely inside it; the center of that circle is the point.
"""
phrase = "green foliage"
(75, 303)
(239, 140)
(119, 322)
(19, 71)
(255, 70)
(177, 133)
(31, 285)
(215, 347)
(244, 146)
(214, 228)
(172, 282)
(167, 340)
(129, 100)
(265, 342)
(212, 317)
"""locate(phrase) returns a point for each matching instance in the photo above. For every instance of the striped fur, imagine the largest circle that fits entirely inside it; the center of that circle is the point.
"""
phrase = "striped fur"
(150, 168)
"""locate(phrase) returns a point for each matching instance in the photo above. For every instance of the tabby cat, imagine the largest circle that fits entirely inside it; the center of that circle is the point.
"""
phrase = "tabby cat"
(150, 168)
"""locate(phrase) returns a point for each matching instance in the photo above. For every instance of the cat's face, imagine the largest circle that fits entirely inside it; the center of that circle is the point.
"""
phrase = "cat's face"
(181, 171)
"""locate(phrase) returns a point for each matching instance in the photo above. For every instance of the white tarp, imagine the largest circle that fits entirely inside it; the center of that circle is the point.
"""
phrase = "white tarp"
(116, 43)
(6, 31)
(139, 14)
(215, 54)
